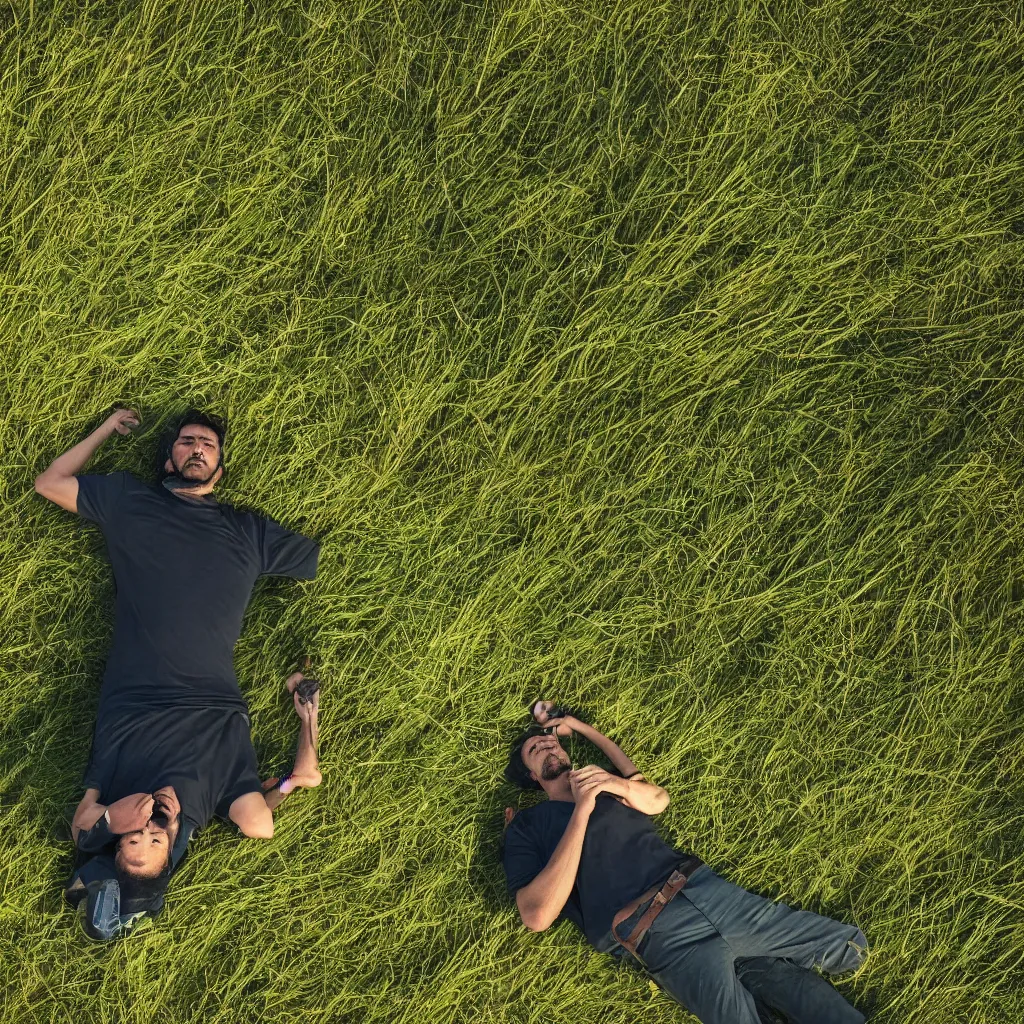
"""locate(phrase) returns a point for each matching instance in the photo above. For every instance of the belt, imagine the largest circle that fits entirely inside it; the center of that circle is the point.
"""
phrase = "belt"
(661, 898)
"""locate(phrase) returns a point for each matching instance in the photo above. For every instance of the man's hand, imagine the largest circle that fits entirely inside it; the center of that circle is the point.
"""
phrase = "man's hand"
(130, 813)
(590, 780)
(563, 726)
(59, 481)
(306, 772)
(165, 802)
(124, 421)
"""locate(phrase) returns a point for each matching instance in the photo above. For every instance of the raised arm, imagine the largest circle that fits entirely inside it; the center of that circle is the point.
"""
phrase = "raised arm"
(632, 789)
(59, 481)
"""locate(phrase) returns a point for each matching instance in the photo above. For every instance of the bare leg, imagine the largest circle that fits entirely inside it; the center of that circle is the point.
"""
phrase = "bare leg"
(306, 772)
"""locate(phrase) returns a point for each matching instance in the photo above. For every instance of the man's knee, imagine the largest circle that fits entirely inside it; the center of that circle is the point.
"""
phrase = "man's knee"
(261, 828)
(252, 816)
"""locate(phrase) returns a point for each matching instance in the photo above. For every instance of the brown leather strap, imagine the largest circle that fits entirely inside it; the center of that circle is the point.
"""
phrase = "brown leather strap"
(670, 889)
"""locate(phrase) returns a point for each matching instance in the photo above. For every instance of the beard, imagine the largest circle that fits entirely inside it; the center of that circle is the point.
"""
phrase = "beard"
(177, 481)
(553, 767)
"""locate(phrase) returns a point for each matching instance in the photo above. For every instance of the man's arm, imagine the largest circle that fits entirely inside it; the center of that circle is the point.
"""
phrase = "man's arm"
(542, 900)
(636, 792)
(125, 815)
(632, 789)
(253, 812)
(59, 481)
(87, 813)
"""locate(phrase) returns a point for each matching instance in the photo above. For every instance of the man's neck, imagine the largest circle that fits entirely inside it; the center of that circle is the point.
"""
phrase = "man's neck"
(558, 789)
(198, 495)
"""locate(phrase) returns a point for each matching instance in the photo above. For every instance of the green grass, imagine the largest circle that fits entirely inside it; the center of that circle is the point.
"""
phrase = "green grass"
(666, 359)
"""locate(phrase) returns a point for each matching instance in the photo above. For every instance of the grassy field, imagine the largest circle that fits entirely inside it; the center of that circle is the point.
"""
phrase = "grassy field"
(666, 359)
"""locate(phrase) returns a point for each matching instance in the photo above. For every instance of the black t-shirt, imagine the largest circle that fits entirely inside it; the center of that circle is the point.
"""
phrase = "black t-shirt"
(623, 856)
(184, 571)
(206, 754)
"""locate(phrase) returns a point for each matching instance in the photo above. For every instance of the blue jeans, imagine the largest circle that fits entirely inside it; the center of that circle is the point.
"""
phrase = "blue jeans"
(716, 946)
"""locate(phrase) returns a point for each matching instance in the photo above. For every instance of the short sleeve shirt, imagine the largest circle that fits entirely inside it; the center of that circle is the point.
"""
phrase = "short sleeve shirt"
(623, 856)
(184, 571)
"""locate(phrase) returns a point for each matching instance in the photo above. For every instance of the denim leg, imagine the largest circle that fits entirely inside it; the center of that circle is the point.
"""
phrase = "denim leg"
(802, 996)
(755, 927)
(694, 964)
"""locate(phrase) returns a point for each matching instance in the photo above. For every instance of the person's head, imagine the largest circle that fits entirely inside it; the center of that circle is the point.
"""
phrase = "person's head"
(194, 454)
(536, 758)
(146, 854)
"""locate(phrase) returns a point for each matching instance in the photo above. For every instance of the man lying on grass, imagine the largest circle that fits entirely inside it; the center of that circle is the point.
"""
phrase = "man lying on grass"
(184, 566)
(157, 774)
(590, 853)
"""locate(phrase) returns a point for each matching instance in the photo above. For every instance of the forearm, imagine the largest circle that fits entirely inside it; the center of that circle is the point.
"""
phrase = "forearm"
(542, 900)
(73, 461)
(633, 788)
(623, 765)
(644, 796)
(87, 813)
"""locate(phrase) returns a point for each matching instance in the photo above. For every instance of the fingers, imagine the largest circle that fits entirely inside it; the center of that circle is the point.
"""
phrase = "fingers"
(166, 800)
(125, 420)
(307, 709)
(130, 813)
(304, 710)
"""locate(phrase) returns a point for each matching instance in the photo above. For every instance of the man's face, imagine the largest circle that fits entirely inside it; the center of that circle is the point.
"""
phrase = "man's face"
(545, 758)
(144, 853)
(195, 455)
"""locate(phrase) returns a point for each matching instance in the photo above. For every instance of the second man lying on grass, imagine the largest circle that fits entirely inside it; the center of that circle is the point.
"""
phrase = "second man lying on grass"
(590, 853)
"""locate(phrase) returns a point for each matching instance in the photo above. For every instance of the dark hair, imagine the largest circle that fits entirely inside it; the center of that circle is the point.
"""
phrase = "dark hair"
(191, 417)
(143, 890)
(516, 771)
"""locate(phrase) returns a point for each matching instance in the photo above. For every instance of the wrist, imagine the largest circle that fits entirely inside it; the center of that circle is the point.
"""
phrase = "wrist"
(583, 809)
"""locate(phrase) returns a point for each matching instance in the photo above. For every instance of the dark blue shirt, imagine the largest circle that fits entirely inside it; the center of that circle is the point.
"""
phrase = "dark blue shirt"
(206, 754)
(623, 856)
(184, 572)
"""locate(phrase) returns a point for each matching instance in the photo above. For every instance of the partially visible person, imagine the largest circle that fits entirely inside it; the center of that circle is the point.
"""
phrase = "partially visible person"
(153, 780)
(590, 853)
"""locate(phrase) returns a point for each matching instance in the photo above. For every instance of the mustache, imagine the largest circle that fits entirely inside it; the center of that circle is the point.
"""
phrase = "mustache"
(549, 771)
